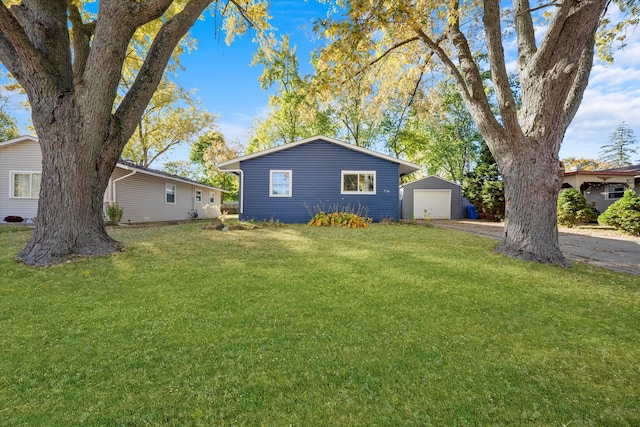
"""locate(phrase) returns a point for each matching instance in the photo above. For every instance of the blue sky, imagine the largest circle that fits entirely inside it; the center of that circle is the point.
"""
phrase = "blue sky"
(227, 85)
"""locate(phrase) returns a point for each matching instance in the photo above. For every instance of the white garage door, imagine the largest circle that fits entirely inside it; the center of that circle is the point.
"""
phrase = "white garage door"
(436, 204)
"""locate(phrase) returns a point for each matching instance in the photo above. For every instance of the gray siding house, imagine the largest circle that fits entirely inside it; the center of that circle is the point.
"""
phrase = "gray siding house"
(292, 182)
(143, 194)
(434, 197)
(602, 188)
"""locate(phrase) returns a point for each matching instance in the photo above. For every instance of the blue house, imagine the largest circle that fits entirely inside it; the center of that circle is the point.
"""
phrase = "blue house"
(292, 182)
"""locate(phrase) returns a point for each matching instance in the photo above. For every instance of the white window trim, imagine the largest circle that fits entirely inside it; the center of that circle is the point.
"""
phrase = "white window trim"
(361, 193)
(271, 172)
(212, 197)
(607, 191)
(166, 193)
(195, 196)
(12, 175)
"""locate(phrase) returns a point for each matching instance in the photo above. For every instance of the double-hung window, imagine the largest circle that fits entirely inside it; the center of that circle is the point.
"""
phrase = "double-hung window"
(358, 182)
(198, 195)
(212, 197)
(615, 191)
(170, 194)
(280, 183)
(25, 185)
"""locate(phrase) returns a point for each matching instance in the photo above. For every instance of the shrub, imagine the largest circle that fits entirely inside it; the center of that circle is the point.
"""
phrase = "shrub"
(113, 213)
(13, 218)
(573, 209)
(339, 219)
(624, 214)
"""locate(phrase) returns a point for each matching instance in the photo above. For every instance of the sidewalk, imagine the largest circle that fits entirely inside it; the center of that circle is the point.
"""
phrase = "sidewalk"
(600, 248)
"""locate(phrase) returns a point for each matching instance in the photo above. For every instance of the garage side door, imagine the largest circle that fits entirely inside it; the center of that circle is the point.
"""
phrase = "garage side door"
(436, 203)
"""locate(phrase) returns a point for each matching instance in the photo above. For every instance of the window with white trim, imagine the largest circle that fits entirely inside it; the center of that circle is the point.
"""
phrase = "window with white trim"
(170, 194)
(358, 182)
(25, 185)
(280, 183)
(615, 191)
(198, 196)
(212, 197)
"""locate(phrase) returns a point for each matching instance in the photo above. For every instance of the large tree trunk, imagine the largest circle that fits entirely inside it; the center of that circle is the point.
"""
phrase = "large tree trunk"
(75, 173)
(532, 182)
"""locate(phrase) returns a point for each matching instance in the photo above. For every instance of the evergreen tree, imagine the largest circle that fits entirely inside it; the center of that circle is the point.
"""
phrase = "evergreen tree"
(484, 187)
(618, 152)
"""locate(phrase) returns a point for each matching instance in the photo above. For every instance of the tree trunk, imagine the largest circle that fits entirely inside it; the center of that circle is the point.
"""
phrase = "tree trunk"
(75, 172)
(532, 182)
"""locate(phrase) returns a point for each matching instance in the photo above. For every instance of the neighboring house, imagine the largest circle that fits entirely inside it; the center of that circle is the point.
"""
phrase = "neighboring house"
(603, 187)
(143, 194)
(432, 197)
(292, 182)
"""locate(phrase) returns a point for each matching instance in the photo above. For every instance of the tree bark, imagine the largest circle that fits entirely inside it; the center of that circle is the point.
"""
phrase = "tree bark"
(532, 181)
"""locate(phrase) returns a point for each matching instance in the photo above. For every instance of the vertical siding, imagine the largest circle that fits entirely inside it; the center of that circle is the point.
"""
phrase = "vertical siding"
(22, 156)
(316, 183)
(458, 204)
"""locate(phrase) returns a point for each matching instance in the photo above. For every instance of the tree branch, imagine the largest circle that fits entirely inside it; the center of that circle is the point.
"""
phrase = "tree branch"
(17, 52)
(525, 31)
(467, 78)
(499, 76)
(82, 34)
(387, 52)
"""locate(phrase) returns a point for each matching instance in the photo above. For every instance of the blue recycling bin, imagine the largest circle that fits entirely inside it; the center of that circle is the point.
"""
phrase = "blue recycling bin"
(471, 212)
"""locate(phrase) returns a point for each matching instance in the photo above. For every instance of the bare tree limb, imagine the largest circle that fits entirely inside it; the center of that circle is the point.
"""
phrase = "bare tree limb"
(525, 31)
(499, 76)
(82, 34)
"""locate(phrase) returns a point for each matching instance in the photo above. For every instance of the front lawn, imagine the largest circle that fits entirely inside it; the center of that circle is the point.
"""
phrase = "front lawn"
(390, 325)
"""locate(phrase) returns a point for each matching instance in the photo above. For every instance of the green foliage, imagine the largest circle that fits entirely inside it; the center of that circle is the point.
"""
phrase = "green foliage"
(573, 209)
(173, 117)
(207, 153)
(8, 127)
(624, 214)
(293, 114)
(113, 213)
(484, 187)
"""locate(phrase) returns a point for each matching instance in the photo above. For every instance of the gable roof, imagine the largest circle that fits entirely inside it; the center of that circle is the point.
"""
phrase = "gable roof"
(122, 164)
(234, 164)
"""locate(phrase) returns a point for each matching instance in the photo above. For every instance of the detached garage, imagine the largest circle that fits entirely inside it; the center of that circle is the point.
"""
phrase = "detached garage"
(437, 197)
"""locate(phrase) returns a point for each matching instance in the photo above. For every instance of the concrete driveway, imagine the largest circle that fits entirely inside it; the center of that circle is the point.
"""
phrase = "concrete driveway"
(602, 248)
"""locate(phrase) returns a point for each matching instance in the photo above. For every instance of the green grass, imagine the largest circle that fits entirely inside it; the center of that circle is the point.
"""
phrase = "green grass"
(391, 325)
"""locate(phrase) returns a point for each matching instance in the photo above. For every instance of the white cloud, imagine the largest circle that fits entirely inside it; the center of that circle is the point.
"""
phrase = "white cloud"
(613, 96)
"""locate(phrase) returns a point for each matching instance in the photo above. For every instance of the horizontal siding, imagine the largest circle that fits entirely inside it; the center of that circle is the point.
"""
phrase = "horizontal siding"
(24, 156)
(458, 204)
(141, 195)
(142, 198)
(316, 183)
